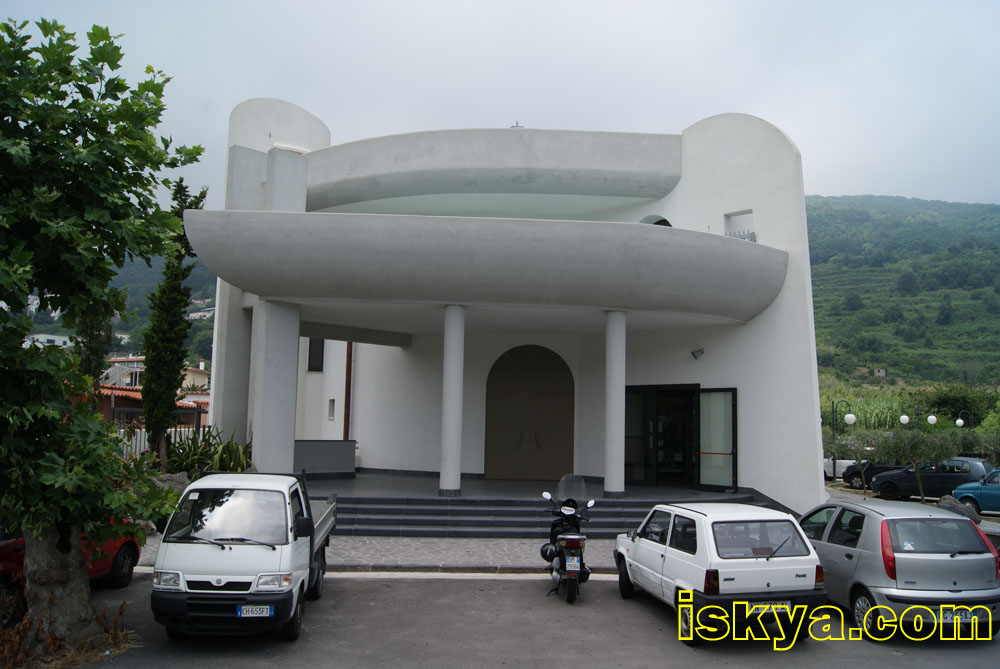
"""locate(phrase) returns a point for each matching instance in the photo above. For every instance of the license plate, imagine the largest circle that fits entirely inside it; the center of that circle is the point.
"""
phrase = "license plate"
(572, 564)
(772, 603)
(254, 611)
(953, 616)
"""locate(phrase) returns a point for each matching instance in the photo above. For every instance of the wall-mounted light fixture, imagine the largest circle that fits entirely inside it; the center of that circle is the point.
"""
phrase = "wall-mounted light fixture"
(697, 353)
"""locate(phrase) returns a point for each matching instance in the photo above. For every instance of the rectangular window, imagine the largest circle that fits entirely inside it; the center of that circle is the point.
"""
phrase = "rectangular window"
(316, 346)
(684, 536)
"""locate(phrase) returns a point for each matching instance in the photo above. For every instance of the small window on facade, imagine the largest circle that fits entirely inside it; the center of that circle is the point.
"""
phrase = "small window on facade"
(315, 354)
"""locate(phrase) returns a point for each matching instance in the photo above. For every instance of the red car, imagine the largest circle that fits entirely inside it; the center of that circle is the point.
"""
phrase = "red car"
(115, 565)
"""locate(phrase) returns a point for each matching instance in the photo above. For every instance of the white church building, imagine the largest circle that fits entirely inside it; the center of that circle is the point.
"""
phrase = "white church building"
(518, 303)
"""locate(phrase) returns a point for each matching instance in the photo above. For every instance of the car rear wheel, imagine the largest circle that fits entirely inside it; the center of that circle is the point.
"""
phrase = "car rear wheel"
(122, 567)
(685, 624)
(625, 586)
(971, 503)
(888, 491)
(856, 482)
(12, 604)
(865, 618)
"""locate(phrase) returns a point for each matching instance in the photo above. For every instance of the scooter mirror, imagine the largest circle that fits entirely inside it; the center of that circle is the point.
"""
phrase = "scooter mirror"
(590, 503)
(547, 495)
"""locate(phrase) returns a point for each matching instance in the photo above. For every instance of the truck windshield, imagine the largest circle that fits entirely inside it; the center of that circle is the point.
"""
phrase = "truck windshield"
(258, 515)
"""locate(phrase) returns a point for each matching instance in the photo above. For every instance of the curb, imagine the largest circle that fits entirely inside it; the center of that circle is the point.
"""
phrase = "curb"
(451, 569)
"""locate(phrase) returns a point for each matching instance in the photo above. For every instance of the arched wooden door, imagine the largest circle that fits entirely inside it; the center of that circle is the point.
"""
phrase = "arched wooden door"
(529, 416)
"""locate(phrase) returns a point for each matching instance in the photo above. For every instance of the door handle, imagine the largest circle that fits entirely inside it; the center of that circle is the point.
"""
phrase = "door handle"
(848, 556)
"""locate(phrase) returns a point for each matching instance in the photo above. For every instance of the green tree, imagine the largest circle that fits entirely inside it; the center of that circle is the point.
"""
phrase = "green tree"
(165, 335)
(79, 168)
(94, 337)
(944, 310)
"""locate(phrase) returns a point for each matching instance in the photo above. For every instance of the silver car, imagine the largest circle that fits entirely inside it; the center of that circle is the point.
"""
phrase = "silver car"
(917, 561)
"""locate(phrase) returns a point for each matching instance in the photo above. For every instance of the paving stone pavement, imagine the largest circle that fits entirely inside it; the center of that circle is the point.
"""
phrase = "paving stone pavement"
(430, 554)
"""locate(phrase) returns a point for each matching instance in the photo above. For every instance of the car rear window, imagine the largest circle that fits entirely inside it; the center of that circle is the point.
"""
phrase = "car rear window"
(758, 538)
(935, 535)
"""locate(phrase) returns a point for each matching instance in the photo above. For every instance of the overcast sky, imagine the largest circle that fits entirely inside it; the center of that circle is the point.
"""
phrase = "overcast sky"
(888, 97)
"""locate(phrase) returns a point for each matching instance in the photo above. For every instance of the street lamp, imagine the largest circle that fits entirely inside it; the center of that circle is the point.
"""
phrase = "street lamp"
(917, 410)
(849, 417)
(961, 423)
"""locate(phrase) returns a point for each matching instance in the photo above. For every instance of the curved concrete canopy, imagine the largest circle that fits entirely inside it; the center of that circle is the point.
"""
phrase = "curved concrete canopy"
(494, 161)
(487, 261)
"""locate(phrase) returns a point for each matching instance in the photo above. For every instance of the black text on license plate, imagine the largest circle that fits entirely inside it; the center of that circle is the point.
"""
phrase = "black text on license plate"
(572, 564)
(254, 611)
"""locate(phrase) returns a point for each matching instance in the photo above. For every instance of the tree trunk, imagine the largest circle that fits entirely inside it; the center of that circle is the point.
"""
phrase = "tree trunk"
(161, 450)
(57, 590)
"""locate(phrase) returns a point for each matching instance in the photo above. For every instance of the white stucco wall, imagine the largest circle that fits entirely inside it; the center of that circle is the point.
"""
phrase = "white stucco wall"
(728, 164)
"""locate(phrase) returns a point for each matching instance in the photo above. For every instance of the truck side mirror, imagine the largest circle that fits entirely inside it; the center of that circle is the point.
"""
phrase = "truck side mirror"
(303, 527)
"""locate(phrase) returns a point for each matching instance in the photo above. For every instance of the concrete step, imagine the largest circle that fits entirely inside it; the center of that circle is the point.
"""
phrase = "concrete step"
(485, 518)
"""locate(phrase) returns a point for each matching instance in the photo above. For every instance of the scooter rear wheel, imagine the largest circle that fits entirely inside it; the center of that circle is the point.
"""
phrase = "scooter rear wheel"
(572, 587)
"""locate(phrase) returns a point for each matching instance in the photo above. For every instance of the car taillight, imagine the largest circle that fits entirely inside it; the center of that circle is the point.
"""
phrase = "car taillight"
(819, 576)
(993, 549)
(711, 581)
(572, 543)
(888, 556)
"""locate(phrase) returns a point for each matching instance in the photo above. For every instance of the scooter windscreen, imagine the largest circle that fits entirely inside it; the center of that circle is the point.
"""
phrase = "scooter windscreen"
(572, 486)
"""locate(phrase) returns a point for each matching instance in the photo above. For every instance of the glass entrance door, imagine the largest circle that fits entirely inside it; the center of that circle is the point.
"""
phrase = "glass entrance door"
(660, 434)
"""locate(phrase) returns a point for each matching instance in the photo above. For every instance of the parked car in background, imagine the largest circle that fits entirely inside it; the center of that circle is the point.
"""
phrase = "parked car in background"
(114, 563)
(860, 474)
(721, 553)
(938, 478)
(981, 495)
(901, 555)
(834, 469)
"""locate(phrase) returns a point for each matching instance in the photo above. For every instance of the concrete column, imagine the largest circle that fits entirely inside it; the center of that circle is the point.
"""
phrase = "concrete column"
(275, 368)
(614, 405)
(451, 401)
(230, 399)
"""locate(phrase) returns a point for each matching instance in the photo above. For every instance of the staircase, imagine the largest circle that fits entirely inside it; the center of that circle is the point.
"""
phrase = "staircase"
(461, 517)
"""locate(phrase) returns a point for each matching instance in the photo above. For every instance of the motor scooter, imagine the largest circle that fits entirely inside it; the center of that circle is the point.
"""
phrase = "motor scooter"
(565, 547)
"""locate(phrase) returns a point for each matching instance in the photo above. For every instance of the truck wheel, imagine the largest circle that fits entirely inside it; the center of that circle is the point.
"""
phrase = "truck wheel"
(572, 587)
(315, 590)
(291, 630)
(625, 586)
(122, 567)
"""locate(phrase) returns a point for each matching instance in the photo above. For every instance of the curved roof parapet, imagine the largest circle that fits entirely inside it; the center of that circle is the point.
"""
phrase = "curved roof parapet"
(265, 123)
(508, 160)
(487, 261)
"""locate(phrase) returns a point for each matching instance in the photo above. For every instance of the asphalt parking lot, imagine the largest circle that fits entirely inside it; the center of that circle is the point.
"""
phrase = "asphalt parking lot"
(391, 620)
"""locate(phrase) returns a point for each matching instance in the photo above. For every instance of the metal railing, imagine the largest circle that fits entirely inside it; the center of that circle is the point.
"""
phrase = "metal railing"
(132, 429)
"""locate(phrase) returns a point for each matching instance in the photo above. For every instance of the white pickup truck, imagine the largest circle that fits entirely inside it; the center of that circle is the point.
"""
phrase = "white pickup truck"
(714, 557)
(240, 554)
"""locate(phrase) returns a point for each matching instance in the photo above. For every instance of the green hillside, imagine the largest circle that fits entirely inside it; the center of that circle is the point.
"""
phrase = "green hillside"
(911, 286)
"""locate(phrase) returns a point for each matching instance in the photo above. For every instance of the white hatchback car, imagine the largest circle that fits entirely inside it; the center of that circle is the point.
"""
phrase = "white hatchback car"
(718, 556)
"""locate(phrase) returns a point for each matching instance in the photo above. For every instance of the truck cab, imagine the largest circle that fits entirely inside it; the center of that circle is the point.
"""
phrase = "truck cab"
(240, 554)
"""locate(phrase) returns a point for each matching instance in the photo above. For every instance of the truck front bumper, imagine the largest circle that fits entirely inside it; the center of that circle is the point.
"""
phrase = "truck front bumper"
(207, 613)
